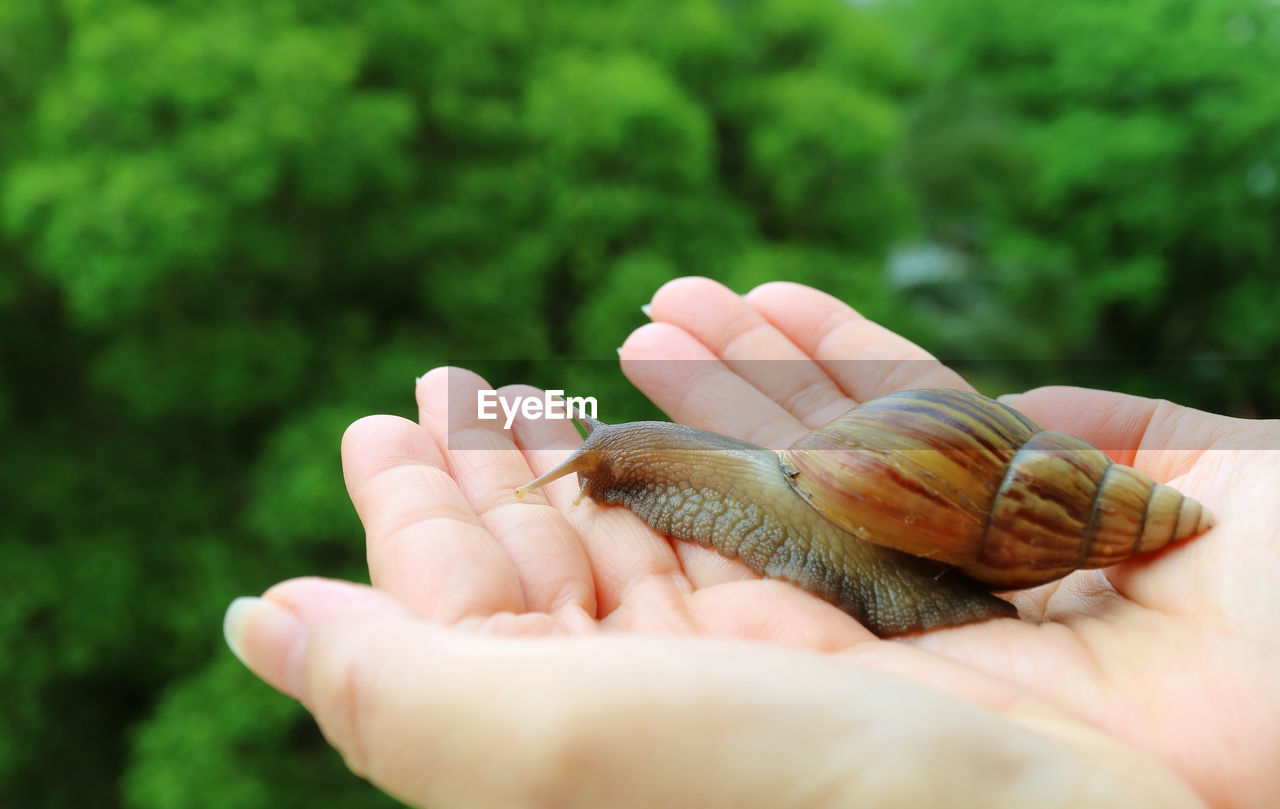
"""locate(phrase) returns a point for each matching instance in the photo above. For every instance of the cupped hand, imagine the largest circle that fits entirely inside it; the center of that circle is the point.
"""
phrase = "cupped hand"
(540, 653)
(1177, 654)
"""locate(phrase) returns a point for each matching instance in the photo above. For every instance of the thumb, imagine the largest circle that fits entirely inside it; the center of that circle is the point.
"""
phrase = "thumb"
(411, 706)
(438, 717)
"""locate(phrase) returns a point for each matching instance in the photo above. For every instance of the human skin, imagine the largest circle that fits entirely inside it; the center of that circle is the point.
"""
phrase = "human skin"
(539, 653)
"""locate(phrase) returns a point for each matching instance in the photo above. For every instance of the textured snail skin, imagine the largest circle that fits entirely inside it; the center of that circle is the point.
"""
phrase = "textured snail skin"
(904, 512)
(732, 496)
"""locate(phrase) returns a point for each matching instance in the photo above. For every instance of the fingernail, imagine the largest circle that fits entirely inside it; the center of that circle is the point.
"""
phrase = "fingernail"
(619, 350)
(269, 640)
(646, 308)
(1008, 399)
(233, 624)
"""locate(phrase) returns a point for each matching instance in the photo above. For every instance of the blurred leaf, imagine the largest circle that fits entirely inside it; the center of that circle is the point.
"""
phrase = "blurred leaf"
(222, 740)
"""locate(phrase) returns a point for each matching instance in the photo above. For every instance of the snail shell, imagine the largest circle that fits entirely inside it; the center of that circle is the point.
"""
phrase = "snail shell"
(904, 512)
(956, 477)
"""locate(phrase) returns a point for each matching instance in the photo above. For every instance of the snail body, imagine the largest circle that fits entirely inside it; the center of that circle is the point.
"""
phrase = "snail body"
(905, 512)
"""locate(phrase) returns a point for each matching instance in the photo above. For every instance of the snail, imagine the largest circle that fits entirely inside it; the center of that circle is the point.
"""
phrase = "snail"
(906, 512)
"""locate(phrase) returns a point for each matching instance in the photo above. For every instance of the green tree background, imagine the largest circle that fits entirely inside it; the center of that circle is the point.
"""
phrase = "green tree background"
(229, 229)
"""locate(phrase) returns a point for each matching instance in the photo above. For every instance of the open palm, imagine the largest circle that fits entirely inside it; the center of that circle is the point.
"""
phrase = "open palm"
(1176, 654)
(1144, 679)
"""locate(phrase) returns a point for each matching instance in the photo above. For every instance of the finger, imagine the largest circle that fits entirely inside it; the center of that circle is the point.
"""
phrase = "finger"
(425, 545)
(1160, 438)
(694, 387)
(382, 687)
(483, 458)
(865, 359)
(774, 612)
(618, 552)
(612, 553)
(1167, 442)
(752, 347)
(708, 568)
(545, 443)
(557, 563)
(682, 377)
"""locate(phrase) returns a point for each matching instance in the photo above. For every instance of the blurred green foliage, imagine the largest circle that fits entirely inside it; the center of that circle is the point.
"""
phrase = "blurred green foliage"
(1105, 175)
(229, 229)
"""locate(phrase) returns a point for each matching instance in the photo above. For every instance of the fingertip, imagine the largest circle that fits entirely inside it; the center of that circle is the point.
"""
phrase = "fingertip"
(662, 341)
(324, 643)
(376, 431)
(769, 288)
(667, 363)
(789, 294)
(233, 624)
(641, 341)
(775, 288)
(269, 640)
(270, 635)
(435, 377)
(448, 393)
(374, 444)
(681, 297)
(316, 601)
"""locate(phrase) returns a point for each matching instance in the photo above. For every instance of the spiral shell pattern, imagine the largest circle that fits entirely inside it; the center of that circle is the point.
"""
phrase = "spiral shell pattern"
(959, 478)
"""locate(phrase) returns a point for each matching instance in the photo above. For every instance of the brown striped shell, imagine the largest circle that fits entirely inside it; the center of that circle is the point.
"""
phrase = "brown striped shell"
(959, 478)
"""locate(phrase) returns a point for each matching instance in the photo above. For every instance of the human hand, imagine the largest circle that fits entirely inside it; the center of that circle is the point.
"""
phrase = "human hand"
(1173, 654)
(517, 654)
